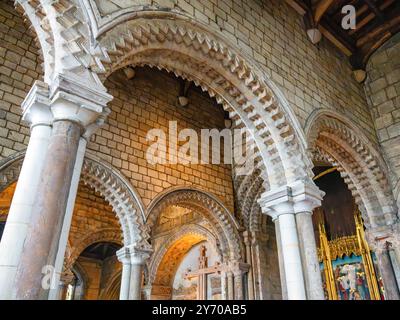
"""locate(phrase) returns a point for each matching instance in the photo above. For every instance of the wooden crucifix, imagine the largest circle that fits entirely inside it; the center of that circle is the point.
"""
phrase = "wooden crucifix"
(202, 273)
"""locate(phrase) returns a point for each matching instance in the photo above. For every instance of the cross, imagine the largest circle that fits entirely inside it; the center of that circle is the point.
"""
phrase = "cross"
(202, 273)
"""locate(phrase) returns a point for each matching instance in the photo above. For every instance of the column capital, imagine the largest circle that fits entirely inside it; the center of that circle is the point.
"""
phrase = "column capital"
(239, 267)
(79, 102)
(306, 196)
(123, 255)
(246, 237)
(139, 254)
(301, 196)
(36, 105)
(67, 277)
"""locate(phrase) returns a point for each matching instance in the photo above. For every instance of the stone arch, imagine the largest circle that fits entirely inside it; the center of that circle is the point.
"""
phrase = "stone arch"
(193, 52)
(106, 180)
(10, 168)
(111, 291)
(248, 190)
(122, 197)
(104, 235)
(62, 32)
(333, 138)
(187, 237)
(221, 220)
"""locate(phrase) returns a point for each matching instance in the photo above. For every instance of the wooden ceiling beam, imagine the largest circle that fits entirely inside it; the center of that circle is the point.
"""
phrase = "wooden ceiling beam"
(361, 24)
(321, 8)
(380, 15)
(375, 29)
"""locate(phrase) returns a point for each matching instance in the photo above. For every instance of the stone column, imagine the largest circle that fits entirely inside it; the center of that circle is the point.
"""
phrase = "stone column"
(306, 197)
(66, 278)
(238, 270)
(250, 280)
(75, 108)
(279, 204)
(138, 259)
(124, 257)
(387, 273)
(381, 240)
(291, 257)
(229, 279)
(282, 273)
(36, 112)
(224, 291)
(53, 295)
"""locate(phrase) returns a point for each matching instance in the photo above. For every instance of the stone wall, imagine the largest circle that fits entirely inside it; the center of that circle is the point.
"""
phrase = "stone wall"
(383, 91)
(20, 66)
(272, 33)
(91, 214)
(92, 269)
(149, 101)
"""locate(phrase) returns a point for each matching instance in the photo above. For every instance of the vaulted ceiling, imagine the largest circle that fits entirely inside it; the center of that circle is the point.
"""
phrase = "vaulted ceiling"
(376, 22)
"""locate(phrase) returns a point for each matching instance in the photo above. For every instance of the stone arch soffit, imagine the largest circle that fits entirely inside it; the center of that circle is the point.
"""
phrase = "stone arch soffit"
(206, 204)
(111, 235)
(234, 79)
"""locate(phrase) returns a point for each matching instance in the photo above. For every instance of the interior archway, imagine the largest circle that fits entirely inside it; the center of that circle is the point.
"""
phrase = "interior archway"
(213, 65)
(334, 141)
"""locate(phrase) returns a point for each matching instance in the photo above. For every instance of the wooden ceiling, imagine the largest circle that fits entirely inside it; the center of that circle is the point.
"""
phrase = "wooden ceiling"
(376, 22)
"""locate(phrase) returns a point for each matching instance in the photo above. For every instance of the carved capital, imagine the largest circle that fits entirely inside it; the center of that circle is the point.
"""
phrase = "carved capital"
(302, 196)
(124, 256)
(36, 106)
(139, 254)
(66, 277)
(76, 101)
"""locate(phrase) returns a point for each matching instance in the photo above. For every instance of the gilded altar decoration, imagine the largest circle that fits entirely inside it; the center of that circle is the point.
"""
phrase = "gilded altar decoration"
(347, 266)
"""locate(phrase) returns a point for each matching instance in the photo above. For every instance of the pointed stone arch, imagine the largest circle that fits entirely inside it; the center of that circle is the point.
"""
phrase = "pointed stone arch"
(220, 219)
(333, 138)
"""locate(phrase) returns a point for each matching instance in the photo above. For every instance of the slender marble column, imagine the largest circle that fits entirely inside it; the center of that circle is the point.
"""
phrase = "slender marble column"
(37, 112)
(291, 257)
(312, 272)
(136, 281)
(230, 281)
(138, 259)
(250, 280)
(125, 259)
(224, 293)
(238, 281)
(282, 272)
